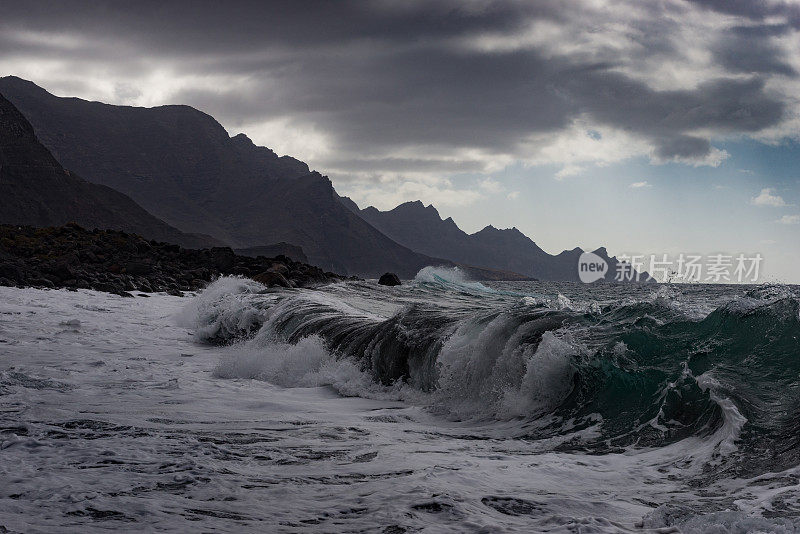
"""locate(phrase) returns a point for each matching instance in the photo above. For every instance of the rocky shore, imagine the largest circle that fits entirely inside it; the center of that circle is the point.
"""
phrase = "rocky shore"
(118, 262)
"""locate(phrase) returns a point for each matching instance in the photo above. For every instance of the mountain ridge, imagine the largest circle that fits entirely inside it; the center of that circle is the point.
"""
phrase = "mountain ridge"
(180, 164)
(422, 228)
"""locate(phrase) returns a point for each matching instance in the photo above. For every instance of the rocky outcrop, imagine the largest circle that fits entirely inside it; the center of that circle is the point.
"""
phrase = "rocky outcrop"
(119, 262)
(276, 249)
(389, 279)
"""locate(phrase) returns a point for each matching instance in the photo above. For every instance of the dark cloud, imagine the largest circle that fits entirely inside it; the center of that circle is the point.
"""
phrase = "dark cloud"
(242, 26)
(454, 99)
(384, 78)
(750, 49)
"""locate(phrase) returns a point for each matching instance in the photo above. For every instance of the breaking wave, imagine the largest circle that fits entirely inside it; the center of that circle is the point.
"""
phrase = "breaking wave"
(609, 375)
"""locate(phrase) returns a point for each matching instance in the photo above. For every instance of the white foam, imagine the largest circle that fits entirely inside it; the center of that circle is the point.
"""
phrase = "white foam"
(535, 302)
(547, 380)
(730, 522)
(734, 421)
(223, 310)
(307, 363)
(451, 277)
(486, 370)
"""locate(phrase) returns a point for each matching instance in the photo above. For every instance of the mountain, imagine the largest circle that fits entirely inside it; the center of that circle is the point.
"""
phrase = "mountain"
(421, 228)
(182, 166)
(36, 190)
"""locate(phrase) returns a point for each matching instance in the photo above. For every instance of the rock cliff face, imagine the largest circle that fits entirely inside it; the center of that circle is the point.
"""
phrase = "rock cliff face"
(181, 165)
(36, 190)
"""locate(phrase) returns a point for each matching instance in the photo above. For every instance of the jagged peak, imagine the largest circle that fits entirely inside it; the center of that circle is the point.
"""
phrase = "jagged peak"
(576, 250)
(242, 138)
(509, 231)
(243, 142)
(416, 206)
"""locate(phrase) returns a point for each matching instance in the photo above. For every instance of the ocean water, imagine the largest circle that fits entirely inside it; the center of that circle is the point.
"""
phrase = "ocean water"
(441, 405)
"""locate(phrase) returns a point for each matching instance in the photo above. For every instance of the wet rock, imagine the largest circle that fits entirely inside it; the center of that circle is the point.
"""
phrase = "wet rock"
(10, 271)
(389, 279)
(272, 279)
(138, 268)
(222, 258)
(279, 268)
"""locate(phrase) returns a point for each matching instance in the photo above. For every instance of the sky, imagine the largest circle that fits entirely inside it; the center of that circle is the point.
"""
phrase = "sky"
(665, 126)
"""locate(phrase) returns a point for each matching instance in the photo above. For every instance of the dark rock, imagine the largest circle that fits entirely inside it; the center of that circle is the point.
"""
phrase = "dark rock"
(10, 270)
(116, 262)
(272, 279)
(278, 249)
(63, 269)
(279, 268)
(138, 268)
(223, 258)
(389, 279)
(107, 287)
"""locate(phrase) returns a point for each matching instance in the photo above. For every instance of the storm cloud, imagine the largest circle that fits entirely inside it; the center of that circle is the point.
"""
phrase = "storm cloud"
(381, 89)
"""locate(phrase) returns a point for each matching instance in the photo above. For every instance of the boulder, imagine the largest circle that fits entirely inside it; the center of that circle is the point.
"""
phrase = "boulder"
(279, 268)
(222, 258)
(272, 279)
(138, 268)
(10, 271)
(389, 279)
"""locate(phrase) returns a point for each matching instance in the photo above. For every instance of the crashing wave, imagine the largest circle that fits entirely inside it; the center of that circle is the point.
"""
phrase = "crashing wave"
(651, 382)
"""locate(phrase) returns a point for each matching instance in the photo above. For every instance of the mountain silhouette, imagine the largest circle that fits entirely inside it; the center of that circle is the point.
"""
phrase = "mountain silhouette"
(421, 228)
(182, 166)
(36, 190)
